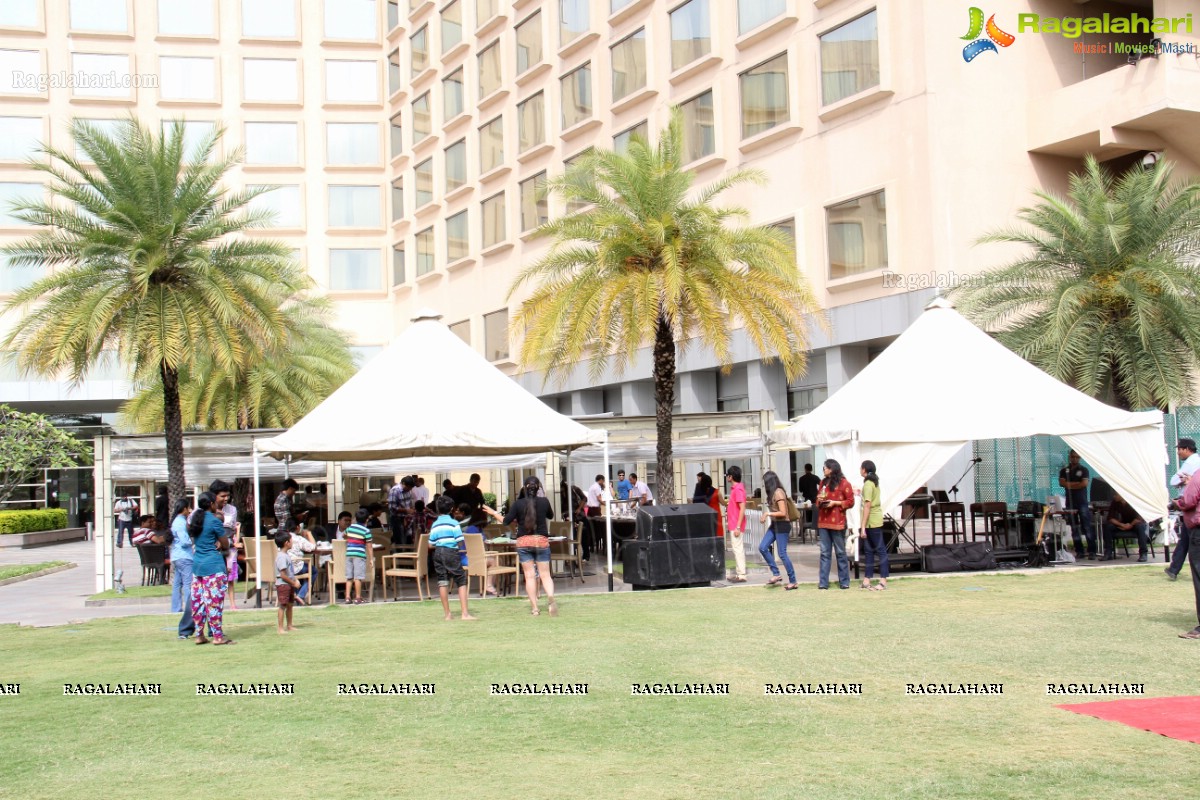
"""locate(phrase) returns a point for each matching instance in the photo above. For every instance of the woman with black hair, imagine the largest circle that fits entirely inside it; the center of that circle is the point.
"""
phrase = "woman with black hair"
(530, 512)
(182, 553)
(775, 515)
(834, 497)
(872, 528)
(207, 532)
(709, 495)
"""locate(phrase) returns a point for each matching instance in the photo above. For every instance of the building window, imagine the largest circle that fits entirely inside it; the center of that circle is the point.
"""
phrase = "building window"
(531, 123)
(99, 15)
(14, 63)
(422, 120)
(350, 19)
(418, 45)
(485, 10)
(272, 143)
(352, 143)
(395, 81)
(577, 96)
(495, 228)
(699, 129)
(283, 202)
(397, 135)
(764, 96)
(424, 175)
(575, 206)
(495, 335)
(456, 165)
(535, 209)
(529, 42)
(489, 69)
(354, 207)
(850, 58)
(452, 30)
(857, 231)
(16, 193)
(629, 65)
(622, 139)
(112, 128)
(393, 14)
(425, 252)
(194, 133)
(351, 81)
(462, 330)
(19, 14)
(397, 199)
(491, 145)
(752, 13)
(269, 80)
(691, 37)
(186, 78)
(97, 70)
(733, 392)
(14, 279)
(453, 100)
(269, 19)
(193, 18)
(397, 264)
(573, 20)
(456, 237)
(19, 137)
(354, 270)
(788, 228)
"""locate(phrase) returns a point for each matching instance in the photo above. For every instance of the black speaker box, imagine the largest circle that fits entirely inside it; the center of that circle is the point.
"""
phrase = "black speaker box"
(673, 562)
(681, 521)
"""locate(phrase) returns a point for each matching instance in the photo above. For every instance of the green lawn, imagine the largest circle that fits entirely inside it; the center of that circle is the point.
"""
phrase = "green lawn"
(17, 570)
(1113, 625)
(157, 590)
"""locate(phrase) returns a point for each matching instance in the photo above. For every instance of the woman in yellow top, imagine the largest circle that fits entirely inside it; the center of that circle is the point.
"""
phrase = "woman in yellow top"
(872, 528)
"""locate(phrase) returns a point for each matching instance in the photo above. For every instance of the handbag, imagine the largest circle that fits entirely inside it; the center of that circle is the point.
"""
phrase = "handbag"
(792, 512)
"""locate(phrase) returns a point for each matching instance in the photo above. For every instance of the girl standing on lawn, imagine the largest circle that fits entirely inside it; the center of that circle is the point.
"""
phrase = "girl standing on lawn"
(834, 497)
(530, 513)
(208, 571)
(775, 514)
(871, 532)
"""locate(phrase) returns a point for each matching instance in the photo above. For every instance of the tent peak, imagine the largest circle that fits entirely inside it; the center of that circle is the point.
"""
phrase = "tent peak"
(424, 314)
(939, 302)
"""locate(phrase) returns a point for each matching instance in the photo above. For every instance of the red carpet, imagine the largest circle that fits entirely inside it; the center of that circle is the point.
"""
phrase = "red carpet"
(1176, 717)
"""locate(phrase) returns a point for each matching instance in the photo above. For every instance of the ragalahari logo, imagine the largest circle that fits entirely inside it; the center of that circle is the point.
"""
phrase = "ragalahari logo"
(995, 36)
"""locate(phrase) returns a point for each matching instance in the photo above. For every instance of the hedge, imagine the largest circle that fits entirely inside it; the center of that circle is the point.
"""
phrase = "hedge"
(37, 519)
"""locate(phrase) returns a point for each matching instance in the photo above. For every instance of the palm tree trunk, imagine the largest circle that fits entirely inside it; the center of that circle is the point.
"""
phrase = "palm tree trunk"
(664, 406)
(173, 432)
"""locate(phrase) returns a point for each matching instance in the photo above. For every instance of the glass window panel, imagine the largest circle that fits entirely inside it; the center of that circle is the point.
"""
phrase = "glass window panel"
(752, 13)
(575, 206)
(699, 129)
(577, 96)
(616, 5)
(573, 20)
(269, 19)
(270, 143)
(457, 234)
(489, 69)
(418, 45)
(764, 96)
(283, 202)
(352, 143)
(850, 59)
(453, 99)
(398, 265)
(485, 10)
(456, 165)
(19, 70)
(19, 14)
(535, 209)
(425, 252)
(691, 36)
(193, 18)
(495, 223)
(857, 232)
(19, 137)
(350, 19)
(393, 14)
(99, 15)
(351, 81)
(629, 65)
(491, 145)
(397, 135)
(495, 335)
(531, 123)
(108, 75)
(16, 193)
(424, 175)
(397, 200)
(622, 139)
(354, 270)
(14, 279)
(462, 330)
(395, 81)
(187, 78)
(529, 43)
(452, 29)
(354, 207)
(422, 120)
(270, 80)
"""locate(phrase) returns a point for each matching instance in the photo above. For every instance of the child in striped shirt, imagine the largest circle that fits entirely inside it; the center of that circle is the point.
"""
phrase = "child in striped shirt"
(445, 536)
(358, 538)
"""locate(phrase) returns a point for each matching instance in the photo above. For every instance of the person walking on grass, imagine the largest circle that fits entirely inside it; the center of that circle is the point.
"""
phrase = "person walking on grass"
(182, 552)
(286, 584)
(775, 516)
(735, 517)
(834, 497)
(1189, 462)
(871, 532)
(1189, 504)
(445, 537)
(530, 512)
(358, 539)
(208, 571)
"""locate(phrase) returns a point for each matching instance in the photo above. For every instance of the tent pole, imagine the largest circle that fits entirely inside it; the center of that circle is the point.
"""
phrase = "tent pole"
(570, 501)
(608, 549)
(258, 565)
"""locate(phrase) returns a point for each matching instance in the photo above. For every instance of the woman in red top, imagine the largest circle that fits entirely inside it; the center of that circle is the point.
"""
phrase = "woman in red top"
(834, 496)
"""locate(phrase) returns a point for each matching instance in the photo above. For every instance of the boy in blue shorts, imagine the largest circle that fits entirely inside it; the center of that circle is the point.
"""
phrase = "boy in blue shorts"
(445, 537)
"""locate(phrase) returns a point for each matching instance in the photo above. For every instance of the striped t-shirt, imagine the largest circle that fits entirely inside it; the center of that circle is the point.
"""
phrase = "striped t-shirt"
(356, 541)
(446, 532)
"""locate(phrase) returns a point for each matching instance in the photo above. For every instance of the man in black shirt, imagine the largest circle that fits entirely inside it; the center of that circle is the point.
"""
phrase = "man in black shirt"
(808, 484)
(1074, 477)
(1121, 518)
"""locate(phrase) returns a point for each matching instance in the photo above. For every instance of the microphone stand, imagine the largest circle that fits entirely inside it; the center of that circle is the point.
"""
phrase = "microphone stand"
(954, 488)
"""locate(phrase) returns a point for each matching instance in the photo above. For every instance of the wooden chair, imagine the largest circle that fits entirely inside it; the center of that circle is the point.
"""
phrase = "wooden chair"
(477, 562)
(269, 551)
(409, 565)
(568, 551)
(989, 520)
(154, 563)
(335, 572)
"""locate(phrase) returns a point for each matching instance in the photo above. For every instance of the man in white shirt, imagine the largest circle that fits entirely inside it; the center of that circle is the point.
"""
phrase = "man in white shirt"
(640, 491)
(1189, 462)
(597, 494)
(420, 492)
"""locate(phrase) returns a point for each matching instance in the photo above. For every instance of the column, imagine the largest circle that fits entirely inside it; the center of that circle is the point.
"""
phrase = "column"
(697, 391)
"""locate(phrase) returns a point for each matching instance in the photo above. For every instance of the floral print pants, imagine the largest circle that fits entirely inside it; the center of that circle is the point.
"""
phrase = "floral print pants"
(208, 597)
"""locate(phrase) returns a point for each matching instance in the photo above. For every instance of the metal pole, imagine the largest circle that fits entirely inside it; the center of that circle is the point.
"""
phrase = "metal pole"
(258, 559)
(608, 520)
(570, 501)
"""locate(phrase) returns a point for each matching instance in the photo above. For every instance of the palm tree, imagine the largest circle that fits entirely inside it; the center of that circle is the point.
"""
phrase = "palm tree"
(651, 261)
(273, 390)
(146, 262)
(1105, 298)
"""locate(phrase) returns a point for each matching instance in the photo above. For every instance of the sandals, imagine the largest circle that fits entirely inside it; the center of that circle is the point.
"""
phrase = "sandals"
(866, 585)
(223, 641)
(202, 640)
(775, 580)
(1195, 634)
(879, 587)
(789, 587)
(490, 593)
(535, 612)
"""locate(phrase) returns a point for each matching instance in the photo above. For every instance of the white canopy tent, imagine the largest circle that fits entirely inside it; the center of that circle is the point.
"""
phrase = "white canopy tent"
(910, 419)
(390, 410)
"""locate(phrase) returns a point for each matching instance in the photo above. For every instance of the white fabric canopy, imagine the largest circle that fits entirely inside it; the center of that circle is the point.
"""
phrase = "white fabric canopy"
(428, 394)
(944, 382)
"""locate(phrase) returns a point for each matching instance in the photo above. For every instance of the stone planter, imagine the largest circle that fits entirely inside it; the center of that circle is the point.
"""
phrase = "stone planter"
(40, 538)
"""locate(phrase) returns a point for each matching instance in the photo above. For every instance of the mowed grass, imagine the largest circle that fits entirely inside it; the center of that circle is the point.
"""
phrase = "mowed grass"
(17, 570)
(1111, 625)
